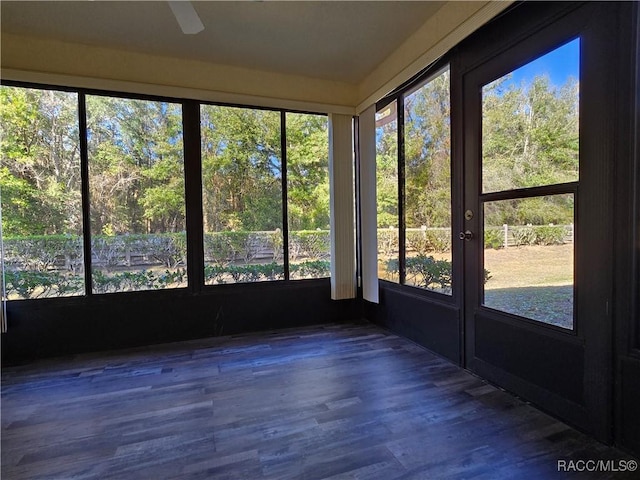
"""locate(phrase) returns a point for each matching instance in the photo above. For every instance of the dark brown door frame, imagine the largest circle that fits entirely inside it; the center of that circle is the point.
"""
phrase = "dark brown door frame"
(505, 48)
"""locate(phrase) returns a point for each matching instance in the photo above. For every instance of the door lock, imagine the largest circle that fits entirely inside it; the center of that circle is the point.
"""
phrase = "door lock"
(467, 235)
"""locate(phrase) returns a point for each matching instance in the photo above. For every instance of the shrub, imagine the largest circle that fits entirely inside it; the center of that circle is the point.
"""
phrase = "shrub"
(223, 248)
(493, 238)
(220, 248)
(314, 244)
(26, 283)
(550, 234)
(214, 274)
(429, 241)
(104, 283)
(272, 271)
(108, 250)
(170, 249)
(387, 241)
(36, 284)
(524, 236)
(43, 252)
(220, 274)
(539, 235)
(427, 272)
(138, 280)
(310, 269)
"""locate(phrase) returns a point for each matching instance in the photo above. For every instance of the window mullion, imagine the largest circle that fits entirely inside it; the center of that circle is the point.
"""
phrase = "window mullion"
(401, 194)
(285, 210)
(86, 206)
(193, 194)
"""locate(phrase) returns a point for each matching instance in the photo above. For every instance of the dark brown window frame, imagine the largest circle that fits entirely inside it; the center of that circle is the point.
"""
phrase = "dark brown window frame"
(193, 186)
(398, 96)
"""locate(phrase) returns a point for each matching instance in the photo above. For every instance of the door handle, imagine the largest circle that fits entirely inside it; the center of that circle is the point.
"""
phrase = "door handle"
(467, 235)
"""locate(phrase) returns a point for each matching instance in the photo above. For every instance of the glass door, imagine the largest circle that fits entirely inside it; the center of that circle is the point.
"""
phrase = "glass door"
(530, 155)
(536, 196)
(521, 232)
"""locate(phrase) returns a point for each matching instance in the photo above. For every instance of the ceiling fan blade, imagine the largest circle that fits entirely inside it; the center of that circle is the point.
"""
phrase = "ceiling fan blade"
(187, 17)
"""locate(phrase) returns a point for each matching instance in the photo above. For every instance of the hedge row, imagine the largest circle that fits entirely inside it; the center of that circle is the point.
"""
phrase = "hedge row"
(64, 252)
(426, 272)
(220, 274)
(428, 241)
(36, 284)
(527, 235)
(419, 241)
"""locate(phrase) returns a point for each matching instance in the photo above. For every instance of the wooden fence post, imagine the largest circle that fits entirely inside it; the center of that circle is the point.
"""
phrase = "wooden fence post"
(571, 229)
(506, 235)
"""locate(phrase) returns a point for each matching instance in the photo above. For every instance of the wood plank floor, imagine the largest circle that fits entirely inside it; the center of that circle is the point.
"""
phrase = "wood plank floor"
(327, 402)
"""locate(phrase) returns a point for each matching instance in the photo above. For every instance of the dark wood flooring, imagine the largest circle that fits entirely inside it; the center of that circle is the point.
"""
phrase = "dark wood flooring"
(338, 402)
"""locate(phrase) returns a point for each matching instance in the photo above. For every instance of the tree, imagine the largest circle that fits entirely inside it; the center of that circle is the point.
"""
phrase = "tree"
(307, 171)
(40, 176)
(136, 166)
(428, 155)
(530, 138)
(387, 169)
(241, 169)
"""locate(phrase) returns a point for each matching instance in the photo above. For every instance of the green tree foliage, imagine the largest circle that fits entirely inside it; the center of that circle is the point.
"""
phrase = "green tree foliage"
(428, 155)
(530, 133)
(308, 171)
(40, 170)
(136, 166)
(387, 167)
(137, 170)
(427, 148)
(241, 169)
(529, 138)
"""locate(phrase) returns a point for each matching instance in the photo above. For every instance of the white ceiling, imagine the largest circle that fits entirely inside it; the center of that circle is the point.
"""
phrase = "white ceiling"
(332, 40)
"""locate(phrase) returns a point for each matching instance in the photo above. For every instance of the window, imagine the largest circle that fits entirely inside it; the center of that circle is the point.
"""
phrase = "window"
(427, 179)
(414, 158)
(307, 141)
(241, 194)
(387, 192)
(136, 182)
(532, 276)
(530, 172)
(40, 184)
(121, 194)
(530, 123)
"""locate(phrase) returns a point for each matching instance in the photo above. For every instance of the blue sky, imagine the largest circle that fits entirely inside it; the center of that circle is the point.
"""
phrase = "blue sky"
(559, 64)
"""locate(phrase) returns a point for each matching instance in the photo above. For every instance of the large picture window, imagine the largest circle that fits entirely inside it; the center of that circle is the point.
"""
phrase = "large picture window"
(40, 184)
(241, 194)
(136, 181)
(307, 143)
(94, 194)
